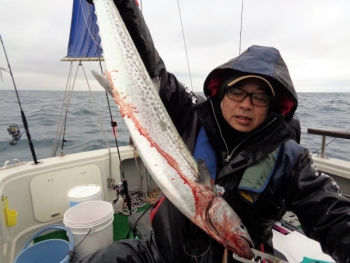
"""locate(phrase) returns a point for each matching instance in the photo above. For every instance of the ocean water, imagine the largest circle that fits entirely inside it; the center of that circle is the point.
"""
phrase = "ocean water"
(83, 125)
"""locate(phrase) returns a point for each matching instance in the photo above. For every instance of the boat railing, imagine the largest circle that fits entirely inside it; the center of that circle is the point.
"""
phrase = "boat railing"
(324, 133)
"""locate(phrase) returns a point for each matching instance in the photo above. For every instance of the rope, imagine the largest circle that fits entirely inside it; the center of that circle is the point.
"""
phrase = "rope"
(153, 195)
(62, 120)
(87, 24)
(138, 200)
(61, 125)
(183, 36)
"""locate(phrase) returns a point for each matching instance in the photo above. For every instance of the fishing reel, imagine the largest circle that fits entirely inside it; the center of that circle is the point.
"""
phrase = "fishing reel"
(15, 132)
(119, 191)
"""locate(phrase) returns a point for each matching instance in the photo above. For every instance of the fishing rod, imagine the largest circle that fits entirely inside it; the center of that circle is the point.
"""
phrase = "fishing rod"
(121, 188)
(24, 119)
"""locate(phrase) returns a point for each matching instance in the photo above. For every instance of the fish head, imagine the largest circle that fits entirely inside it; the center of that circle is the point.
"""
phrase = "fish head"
(230, 229)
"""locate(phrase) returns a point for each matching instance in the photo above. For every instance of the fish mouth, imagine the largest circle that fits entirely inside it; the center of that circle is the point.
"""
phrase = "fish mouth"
(245, 237)
(246, 244)
(229, 229)
(247, 253)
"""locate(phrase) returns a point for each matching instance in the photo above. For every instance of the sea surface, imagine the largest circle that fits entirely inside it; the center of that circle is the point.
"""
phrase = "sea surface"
(87, 111)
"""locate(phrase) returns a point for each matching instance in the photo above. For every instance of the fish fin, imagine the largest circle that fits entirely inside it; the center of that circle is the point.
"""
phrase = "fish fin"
(203, 172)
(103, 81)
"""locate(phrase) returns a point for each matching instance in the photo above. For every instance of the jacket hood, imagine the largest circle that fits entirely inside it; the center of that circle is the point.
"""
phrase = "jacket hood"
(263, 61)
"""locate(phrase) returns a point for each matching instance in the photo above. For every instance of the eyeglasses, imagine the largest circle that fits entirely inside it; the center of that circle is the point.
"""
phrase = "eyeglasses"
(257, 99)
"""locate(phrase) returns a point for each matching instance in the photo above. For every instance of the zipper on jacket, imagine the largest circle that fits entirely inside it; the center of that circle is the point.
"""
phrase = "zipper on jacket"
(228, 157)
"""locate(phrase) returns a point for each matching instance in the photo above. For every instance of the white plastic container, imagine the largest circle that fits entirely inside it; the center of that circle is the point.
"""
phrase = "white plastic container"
(91, 224)
(83, 193)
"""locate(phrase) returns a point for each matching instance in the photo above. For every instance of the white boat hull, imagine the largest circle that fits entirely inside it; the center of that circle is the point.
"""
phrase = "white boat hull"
(38, 193)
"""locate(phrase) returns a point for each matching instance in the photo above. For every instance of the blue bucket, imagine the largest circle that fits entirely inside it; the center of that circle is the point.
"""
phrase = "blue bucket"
(51, 250)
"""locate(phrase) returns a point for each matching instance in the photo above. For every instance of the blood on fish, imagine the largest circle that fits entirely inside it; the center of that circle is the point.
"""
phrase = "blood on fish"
(203, 196)
(128, 110)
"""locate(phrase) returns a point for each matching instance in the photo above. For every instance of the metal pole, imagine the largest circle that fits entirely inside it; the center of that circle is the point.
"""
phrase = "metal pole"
(323, 146)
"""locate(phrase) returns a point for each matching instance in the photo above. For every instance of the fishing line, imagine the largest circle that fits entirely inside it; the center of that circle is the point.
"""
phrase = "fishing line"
(95, 107)
(183, 37)
(110, 180)
(4, 69)
(24, 119)
(240, 33)
(197, 256)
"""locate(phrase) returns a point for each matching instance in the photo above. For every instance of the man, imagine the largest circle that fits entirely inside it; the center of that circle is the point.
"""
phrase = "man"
(243, 127)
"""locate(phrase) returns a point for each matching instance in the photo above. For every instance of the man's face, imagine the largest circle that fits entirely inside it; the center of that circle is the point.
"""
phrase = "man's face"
(244, 116)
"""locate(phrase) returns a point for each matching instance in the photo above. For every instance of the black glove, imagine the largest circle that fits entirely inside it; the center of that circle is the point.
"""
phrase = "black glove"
(117, 2)
(90, 2)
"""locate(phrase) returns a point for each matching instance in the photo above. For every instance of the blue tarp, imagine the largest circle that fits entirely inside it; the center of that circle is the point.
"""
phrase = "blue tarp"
(84, 41)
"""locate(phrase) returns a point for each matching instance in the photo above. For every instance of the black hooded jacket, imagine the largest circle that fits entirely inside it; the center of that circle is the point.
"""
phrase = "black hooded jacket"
(295, 184)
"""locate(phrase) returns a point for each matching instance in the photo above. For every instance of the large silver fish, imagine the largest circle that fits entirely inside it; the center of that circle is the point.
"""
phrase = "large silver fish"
(186, 184)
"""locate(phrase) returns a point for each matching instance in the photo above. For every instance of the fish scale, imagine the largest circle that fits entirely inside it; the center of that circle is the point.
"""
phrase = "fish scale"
(184, 182)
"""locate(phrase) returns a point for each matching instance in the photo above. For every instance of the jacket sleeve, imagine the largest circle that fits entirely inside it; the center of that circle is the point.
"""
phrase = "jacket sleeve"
(324, 213)
(178, 99)
(294, 125)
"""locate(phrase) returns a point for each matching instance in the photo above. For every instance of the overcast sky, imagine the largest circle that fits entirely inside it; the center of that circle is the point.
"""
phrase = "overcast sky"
(313, 37)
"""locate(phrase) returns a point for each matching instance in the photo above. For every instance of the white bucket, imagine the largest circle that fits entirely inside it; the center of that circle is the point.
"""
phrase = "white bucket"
(91, 225)
(83, 193)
